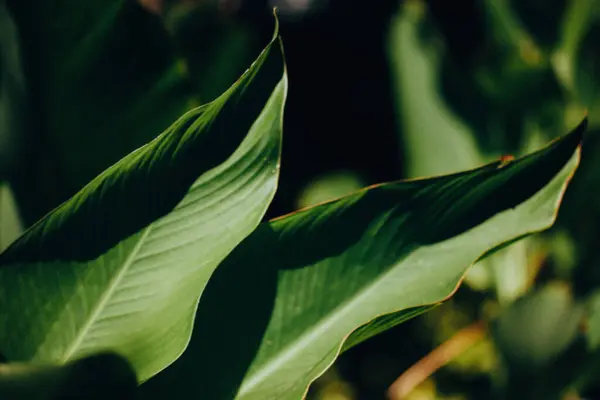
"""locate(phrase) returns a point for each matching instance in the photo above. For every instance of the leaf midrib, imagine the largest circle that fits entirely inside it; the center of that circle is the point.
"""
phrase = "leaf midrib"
(105, 298)
(307, 338)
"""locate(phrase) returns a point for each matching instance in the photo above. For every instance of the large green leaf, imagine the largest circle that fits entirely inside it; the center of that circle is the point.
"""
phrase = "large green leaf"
(103, 79)
(96, 377)
(438, 142)
(121, 265)
(278, 310)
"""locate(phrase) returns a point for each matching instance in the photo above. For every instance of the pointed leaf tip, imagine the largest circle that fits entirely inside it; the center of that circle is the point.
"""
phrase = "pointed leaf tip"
(582, 127)
(276, 30)
(173, 208)
(578, 133)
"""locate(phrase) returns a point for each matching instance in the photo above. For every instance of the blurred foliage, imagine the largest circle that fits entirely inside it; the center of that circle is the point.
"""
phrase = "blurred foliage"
(551, 320)
(13, 94)
(329, 186)
(510, 74)
(98, 73)
(215, 48)
(474, 83)
(419, 87)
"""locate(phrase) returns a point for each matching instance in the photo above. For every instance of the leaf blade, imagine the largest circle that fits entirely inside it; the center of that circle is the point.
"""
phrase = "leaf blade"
(310, 279)
(149, 232)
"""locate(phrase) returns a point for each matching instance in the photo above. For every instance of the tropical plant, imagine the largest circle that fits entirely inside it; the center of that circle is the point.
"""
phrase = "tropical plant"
(163, 259)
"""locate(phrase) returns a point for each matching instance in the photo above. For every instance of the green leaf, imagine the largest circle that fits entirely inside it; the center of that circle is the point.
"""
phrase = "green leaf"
(103, 80)
(95, 377)
(279, 309)
(12, 94)
(122, 264)
(535, 329)
(10, 221)
(593, 321)
(577, 21)
(327, 187)
(436, 140)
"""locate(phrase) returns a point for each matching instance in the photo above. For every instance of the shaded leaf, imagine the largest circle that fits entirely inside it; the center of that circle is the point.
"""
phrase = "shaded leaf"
(12, 94)
(10, 221)
(439, 142)
(96, 377)
(215, 46)
(103, 80)
(278, 310)
(121, 265)
(593, 321)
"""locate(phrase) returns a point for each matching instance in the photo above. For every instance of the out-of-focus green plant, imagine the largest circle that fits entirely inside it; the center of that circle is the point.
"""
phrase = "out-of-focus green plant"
(507, 97)
(13, 95)
(215, 48)
(328, 187)
(11, 226)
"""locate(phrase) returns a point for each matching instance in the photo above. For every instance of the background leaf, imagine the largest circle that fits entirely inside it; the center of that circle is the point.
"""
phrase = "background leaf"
(121, 265)
(10, 221)
(216, 46)
(13, 95)
(278, 310)
(593, 329)
(437, 141)
(552, 318)
(103, 80)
